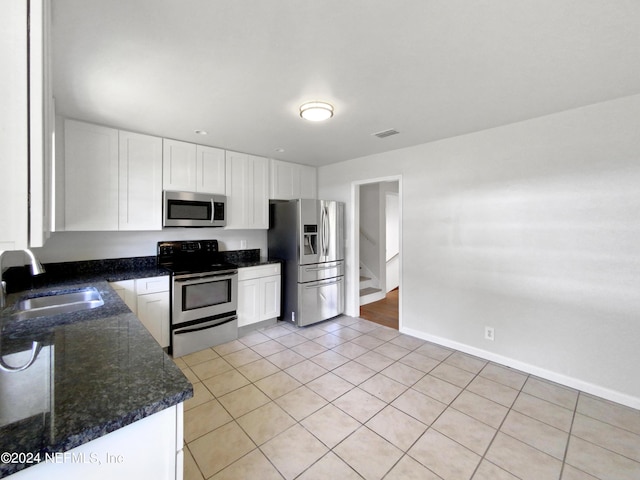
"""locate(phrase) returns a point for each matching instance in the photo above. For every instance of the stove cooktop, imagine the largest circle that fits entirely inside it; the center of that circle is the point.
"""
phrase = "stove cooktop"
(191, 256)
(185, 269)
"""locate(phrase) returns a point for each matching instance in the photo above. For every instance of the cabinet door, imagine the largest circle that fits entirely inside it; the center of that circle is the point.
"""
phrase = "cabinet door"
(308, 182)
(153, 312)
(179, 165)
(248, 302)
(247, 191)
(210, 174)
(140, 183)
(259, 188)
(14, 127)
(291, 180)
(91, 177)
(270, 288)
(237, 171)
(285, 180)
(126, 290)
(41, 122)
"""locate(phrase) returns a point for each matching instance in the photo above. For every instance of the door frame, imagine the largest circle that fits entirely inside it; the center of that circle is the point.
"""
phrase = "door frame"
(354, 269)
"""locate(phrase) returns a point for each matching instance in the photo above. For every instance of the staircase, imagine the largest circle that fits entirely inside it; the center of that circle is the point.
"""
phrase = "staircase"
(369, 287)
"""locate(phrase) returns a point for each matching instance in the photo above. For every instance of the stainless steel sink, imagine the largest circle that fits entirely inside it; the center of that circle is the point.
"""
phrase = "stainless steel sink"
(58, 302)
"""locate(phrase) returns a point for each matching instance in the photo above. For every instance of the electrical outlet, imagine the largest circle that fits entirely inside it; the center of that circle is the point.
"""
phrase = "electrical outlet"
(489, 334)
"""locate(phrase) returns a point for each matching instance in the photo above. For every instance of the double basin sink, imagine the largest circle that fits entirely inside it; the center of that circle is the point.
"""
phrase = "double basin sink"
(53, 303)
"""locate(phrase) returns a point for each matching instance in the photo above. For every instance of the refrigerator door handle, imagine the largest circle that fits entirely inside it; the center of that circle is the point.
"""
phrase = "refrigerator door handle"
(323, 284)
(322, 222)
(320, 268)
(325, 231)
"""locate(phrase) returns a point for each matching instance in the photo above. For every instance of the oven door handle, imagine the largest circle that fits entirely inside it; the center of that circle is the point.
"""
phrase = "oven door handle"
(200, 278)
(205, 326)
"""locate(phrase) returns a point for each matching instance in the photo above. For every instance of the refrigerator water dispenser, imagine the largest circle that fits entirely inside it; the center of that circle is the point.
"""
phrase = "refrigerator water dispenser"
(310, 239)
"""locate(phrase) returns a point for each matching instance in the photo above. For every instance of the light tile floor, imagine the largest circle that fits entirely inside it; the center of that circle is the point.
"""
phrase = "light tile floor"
(349, 399)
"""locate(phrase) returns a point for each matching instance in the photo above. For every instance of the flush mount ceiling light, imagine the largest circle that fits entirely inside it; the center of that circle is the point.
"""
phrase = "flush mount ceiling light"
(201, 132)
(316, 111)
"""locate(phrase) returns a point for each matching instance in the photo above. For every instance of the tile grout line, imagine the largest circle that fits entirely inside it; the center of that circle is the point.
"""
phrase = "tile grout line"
(566, 449)
(498, 430)
(406, 388)
(580, 393)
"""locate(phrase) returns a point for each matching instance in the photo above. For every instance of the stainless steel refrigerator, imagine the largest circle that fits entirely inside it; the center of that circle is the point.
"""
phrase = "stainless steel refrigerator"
(308, 235)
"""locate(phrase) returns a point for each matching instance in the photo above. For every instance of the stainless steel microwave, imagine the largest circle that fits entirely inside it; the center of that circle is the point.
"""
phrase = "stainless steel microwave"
(190, 209)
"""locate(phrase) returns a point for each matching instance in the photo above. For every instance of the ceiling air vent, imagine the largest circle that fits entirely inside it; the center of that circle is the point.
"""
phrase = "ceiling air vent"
(385, 133)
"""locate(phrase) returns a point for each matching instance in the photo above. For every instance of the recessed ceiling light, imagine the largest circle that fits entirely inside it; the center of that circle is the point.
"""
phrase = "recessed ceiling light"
(201, 132)
(279, 150)
(316, 111)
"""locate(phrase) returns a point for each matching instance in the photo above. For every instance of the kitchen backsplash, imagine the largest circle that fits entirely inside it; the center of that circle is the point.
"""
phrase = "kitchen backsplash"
(76, 246)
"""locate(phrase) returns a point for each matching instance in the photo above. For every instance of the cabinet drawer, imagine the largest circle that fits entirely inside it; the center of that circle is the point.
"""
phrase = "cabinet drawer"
(249, 273)
(152, 285)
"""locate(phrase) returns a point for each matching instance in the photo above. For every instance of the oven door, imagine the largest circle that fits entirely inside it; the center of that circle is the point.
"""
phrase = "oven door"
(200, 296)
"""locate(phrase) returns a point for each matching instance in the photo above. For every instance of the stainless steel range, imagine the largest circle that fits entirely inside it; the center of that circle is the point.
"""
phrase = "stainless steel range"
(204, 295)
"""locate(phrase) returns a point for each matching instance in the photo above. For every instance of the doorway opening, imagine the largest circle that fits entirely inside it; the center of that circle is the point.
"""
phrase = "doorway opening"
(378, 245)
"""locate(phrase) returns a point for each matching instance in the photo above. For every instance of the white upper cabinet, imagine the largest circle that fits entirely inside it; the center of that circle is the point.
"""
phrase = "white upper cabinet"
(211, 168)
(179, 166)
(291, 180)
(14, 122)
(25, 127)
(308, 181)
(41, 122)
(247, 191)
(140, 182)
(91, 177)
(113, 179)
(193, 168)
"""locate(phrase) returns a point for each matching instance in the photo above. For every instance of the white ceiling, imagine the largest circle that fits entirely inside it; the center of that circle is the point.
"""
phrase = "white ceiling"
(240, 69)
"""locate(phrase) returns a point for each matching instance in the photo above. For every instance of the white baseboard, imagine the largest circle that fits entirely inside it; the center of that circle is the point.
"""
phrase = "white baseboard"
(598, 391)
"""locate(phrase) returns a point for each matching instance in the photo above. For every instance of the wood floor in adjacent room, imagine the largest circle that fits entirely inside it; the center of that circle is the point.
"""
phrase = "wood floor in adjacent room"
(383, 312)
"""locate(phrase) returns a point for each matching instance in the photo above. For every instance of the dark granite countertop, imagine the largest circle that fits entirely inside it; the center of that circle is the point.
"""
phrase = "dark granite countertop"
(97, 370)
(246, 258)
(256, 263)
(67, 273)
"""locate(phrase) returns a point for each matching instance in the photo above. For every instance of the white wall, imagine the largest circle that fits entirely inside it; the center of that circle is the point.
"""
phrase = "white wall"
(74, 246)
(533, 229)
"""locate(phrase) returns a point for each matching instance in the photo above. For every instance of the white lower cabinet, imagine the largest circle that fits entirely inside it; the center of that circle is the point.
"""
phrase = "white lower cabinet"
(258, 293)
(153, 312)
(149, 448)
(148, 298)
(126, 290)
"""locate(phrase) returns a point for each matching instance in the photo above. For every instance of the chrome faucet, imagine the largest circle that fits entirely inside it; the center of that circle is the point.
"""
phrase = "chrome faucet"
(36, 269)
